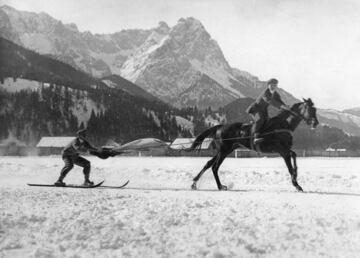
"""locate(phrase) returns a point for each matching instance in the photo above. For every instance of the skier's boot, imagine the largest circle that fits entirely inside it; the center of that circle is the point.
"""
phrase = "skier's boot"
(87, 182)
(86, 171)
(59, 183)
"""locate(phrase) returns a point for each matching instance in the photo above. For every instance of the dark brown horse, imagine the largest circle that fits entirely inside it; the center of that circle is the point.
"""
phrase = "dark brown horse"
(277, 134)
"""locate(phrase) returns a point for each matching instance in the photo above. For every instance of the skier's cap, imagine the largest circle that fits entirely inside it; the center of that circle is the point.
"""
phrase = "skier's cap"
(81, 132)
(272, 81)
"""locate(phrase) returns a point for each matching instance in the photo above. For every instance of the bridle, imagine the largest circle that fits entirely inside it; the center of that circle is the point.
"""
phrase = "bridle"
(309, 120)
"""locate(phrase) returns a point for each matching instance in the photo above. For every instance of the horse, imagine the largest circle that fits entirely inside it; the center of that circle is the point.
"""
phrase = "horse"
(276, 134)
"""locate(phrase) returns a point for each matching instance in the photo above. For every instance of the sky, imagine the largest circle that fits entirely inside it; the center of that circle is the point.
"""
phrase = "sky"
(311, 46)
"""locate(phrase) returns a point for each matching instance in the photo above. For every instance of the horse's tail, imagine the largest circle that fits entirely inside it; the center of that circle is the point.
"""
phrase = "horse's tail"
(200, 138)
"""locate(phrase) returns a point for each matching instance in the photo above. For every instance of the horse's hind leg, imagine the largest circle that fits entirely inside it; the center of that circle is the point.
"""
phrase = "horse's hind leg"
(292, 170)
(208, 165)
(215, 169)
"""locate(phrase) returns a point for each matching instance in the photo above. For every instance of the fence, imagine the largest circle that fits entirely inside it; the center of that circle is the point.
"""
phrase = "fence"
(238, 153)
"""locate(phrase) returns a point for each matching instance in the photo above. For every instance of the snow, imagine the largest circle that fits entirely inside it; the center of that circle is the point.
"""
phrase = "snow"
(209, 120)
(110, 83)
(182, 143)
(216, 71)
(55, 141)
(110, 59)
(83, 108)
(134, 65)
(20, 84)
(185, 124)
(144, 143)
(339, 116)
(153, 115)
(158, 216)
(39, 42)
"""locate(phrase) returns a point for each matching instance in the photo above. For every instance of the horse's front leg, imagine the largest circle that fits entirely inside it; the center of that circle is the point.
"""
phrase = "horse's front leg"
(293, 155)
(292, 169)
(294, 174)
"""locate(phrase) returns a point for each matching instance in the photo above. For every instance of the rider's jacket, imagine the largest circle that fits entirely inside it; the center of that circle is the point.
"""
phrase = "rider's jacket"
(265, 99)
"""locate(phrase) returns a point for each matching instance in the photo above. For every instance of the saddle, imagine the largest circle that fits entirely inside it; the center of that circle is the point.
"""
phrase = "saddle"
(245, 132)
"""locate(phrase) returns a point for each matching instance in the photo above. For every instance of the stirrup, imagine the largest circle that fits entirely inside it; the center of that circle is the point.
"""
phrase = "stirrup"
(258, 140)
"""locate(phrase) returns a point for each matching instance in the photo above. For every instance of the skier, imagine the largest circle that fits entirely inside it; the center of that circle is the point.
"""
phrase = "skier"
(71, 156)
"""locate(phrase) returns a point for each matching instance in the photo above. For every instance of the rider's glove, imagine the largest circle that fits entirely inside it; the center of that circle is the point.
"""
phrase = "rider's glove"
(285, 107)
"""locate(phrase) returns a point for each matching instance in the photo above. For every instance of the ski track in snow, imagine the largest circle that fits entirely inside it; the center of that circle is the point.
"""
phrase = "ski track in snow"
(263, 215)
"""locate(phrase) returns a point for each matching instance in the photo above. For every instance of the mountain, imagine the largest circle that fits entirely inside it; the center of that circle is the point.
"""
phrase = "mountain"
(353, 111)
(348, 120)
(17, 61)
(97, 55)
(32, 107)
(40, 96)
(118, 82)
(181, 65)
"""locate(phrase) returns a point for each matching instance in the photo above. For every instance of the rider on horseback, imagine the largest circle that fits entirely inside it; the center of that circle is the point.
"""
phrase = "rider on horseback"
(258, 109)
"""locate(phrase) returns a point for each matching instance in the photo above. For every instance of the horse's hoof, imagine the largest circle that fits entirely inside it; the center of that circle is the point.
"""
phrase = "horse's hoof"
(223, 188)
(299, 188)
(193, 186)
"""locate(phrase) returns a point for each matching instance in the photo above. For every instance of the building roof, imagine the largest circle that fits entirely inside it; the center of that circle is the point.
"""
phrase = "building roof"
(143, 144)
(184, 143)
(54, 141)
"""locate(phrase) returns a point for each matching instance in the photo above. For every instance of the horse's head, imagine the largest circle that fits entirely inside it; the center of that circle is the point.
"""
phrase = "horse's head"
(307, 111)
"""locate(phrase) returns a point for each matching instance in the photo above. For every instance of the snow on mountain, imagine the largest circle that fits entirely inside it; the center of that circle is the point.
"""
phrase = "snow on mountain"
(349, 123)
(181, 65)
(217, 72)
(185, 124)
(354, 111)
(215, 119)
(117, 82)
(340, 116)
(204, 92)
(110, 83)
(82, 107)
(19, 84)
(165, 61)
(176, 67)
(136, 64)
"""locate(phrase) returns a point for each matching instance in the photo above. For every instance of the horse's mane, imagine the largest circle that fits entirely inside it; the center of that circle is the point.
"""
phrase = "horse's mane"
(286, 113)
(283, 115)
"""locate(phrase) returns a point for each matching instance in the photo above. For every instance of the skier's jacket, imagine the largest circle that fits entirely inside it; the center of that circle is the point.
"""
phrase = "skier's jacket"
(77, 146)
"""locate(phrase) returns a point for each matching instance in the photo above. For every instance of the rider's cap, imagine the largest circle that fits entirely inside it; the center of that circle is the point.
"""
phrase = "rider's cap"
(272, 81)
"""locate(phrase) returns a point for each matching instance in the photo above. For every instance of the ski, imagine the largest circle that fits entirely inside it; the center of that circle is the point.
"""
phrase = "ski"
(115, 187)
(69, 185)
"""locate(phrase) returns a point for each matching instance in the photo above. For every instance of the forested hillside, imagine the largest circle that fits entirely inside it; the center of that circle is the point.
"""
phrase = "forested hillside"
(67, 99)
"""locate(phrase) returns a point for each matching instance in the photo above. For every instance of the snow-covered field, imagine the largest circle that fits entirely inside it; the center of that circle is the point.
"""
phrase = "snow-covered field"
(158, 216)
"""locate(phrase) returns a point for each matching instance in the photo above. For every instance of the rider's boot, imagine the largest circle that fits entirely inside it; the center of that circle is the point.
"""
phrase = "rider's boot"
(257, 139)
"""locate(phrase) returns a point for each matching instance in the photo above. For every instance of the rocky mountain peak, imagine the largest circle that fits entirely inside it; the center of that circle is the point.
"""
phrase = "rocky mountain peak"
(29, 22)
(72, 27)
(190, 26)
(190, 22)
(163, 28)
(7, 7)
